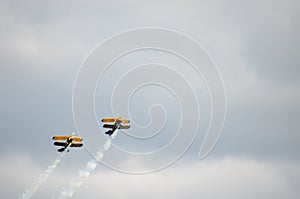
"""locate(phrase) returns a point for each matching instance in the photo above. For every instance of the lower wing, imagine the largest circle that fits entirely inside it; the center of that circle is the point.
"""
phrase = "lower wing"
(59, 143)
(111, 126)
(76, 145)
(124, 126)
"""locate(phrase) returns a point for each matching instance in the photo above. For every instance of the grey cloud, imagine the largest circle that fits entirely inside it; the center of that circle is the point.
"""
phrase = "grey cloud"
(255, 45)
(210, 179)
(42, 54)
(269, 34)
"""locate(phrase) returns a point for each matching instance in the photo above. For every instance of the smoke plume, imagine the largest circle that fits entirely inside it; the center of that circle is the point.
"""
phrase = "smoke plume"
(43, 177)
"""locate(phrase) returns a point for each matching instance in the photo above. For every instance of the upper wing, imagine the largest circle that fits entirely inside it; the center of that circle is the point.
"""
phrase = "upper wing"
(108, 120)
(60, 137)
(124, 121)
(77, 139)
(76, 145)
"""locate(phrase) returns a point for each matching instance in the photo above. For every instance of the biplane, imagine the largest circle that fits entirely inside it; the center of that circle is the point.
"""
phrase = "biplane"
(70, 140)
(115, 123)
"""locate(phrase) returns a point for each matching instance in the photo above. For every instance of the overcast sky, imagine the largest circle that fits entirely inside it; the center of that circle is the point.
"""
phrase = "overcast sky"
(255, 45)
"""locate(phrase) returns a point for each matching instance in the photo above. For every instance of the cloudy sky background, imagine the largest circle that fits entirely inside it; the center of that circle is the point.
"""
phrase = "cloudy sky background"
(255, 45)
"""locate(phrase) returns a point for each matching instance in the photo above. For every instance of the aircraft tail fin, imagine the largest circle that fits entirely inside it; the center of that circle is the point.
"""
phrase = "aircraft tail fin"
(110, 132)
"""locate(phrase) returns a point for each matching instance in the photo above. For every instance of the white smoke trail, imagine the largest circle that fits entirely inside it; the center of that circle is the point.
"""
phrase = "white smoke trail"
(85, 173)
(43, 177)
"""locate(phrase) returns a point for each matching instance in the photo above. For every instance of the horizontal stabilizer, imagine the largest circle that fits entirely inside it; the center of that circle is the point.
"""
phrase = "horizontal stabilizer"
(61, 149)
(110, 132)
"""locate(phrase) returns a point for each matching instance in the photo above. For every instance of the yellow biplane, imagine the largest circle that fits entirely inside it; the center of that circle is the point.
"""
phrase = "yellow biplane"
(118, 123)
(70, 140)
